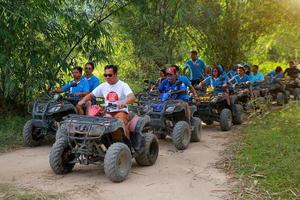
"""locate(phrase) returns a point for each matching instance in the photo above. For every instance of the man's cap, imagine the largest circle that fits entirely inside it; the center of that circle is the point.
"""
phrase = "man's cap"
(171, 70)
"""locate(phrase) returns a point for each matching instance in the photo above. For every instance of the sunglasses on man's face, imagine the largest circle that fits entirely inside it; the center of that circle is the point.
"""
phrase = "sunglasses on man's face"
(88, 68)
(168, 74)
(107, 75)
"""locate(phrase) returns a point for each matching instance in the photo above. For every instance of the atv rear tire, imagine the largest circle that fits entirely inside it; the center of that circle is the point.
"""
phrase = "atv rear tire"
(32, 136)
(149, 155)
(297, 94)
(117, 162)
(226, 119)
(239, 115)
(197, 132)
(59, 157)
(181, 135)
(280, 99)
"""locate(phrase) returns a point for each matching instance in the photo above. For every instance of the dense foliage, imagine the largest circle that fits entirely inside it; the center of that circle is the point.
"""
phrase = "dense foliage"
(41, 40)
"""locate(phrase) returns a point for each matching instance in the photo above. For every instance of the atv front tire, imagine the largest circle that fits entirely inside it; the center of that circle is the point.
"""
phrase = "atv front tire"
(32, 136)
(117, 162)
(181, 135)
(197, 132)
(226, 119)
(280, 99)
(149, 155)
(239, 115)
(60, 156)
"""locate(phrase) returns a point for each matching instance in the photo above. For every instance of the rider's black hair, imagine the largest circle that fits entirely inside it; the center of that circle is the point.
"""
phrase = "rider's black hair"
(90, 63)
(78, 68)
(114, 67)
(176, 67)
(278, 69)
(194, 52)
(256, 66)
(164, 71)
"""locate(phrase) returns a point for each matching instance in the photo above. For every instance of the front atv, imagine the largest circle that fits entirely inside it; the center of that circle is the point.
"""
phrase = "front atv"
(103, 141)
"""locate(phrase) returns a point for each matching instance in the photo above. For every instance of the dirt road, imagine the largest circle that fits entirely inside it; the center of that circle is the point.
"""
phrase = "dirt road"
(185, 175)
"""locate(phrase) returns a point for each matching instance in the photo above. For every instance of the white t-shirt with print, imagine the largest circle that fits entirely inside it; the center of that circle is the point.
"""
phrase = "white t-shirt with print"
(114, 94)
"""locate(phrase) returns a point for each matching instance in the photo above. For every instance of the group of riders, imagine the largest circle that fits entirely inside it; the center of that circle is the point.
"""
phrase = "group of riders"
(115, 91)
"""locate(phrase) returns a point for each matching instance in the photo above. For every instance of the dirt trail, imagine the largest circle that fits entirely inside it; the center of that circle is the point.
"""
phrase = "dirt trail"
(183, 175)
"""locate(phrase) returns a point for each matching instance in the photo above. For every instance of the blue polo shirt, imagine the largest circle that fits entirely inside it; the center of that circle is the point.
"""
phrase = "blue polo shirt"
(216, 83)
(256, 78)
(196, 69)
(82, 86)
(166, 86)
(93, 82)
(274, 76)
(237, 79)
(231, 73)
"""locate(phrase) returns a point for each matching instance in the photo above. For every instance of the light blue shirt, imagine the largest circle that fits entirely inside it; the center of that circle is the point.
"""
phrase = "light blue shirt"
(93, 82)
(82, 86)
(256, 78)
(196, 69)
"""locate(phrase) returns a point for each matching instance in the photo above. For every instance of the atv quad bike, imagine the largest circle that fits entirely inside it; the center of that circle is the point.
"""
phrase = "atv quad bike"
(216, 107)
(293, 86)
(169, 117)
(103, 140)
(47, 112)
(241, 94)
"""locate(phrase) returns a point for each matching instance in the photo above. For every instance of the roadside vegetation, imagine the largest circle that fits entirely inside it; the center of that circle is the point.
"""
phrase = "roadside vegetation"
(266, 156)
(9, 192)
(11, 132)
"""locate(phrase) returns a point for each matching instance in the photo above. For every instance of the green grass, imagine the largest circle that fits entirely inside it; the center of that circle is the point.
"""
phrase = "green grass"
(11, 132)
(9, 192)
(268, 155)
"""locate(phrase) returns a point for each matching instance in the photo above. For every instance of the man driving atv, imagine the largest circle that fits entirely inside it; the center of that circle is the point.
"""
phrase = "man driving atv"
(114, 91)
(292, 71)
(241, 77)
(77, 87)
(171, 83)
(275, 74)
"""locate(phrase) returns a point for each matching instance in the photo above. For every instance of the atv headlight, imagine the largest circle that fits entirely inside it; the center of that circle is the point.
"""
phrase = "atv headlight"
(170, 109)
(54, 109)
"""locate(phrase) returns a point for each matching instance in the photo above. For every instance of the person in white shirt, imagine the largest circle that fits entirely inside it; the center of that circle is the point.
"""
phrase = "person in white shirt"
(114, 91)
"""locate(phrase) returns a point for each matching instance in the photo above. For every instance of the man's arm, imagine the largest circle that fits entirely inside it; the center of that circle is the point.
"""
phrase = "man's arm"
(81, 94)
(193, 91)
(85, 99)
(130, 99)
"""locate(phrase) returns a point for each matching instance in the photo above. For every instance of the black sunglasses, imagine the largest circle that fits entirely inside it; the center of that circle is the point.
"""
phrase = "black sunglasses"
(89, 68)
(168, 74)
(107, 75)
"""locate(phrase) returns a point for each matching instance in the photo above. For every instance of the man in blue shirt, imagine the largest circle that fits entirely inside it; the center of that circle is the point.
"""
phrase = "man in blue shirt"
(256, 76)
(275, 74)
(81, 87)
(241, 77)
(89, 76)
(170, 83)
(196, 68)
(233, 71)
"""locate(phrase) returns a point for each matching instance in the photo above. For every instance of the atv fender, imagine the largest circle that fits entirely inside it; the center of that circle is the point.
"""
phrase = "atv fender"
(193, 109)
